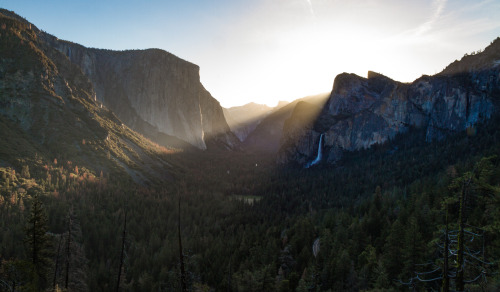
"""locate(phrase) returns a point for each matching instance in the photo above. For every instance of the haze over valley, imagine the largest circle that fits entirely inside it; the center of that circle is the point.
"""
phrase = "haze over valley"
(294, 146)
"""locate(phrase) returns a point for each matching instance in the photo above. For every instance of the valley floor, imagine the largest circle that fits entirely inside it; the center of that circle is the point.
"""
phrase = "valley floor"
(378, 220)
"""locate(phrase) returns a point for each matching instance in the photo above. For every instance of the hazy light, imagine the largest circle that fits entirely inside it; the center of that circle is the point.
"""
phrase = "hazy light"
(264, 51)
(292, 50)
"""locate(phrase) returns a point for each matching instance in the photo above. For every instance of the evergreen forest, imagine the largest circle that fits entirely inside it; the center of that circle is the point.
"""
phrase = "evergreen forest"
(394, 217)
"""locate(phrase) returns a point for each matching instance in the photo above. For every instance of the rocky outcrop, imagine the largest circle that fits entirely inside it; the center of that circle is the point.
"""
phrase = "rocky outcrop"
(362, 112)
(153, 92)
(48, 112)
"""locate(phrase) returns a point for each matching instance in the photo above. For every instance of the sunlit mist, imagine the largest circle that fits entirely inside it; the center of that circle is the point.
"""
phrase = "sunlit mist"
(264, 51)
(287, 49)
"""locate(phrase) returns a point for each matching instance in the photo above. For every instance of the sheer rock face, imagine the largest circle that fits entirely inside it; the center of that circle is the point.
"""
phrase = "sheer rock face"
(362, 112)
(48, 112)
(152, 91)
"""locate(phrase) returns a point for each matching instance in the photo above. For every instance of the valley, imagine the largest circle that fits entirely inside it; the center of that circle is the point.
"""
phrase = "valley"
(119, 171)
(358, 208)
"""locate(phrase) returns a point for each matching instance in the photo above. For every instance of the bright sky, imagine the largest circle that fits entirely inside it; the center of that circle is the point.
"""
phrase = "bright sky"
(269, 50)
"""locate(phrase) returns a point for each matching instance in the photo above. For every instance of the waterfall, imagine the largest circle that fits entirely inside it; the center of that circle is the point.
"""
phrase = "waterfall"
(320, 154)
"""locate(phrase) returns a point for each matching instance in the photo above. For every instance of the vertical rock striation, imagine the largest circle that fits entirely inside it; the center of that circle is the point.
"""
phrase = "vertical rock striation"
(362, 112)
(49, 112)
(153, 92)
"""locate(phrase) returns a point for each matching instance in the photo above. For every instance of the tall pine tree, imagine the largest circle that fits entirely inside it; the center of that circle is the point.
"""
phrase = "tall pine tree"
(38, 244)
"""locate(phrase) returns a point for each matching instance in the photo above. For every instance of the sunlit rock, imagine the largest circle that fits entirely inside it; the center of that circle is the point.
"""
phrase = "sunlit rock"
(153, 92)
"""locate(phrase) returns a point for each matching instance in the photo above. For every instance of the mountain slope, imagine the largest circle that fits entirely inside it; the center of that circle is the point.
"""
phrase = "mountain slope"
(48, 113)
(242, 120)
(151, 91)
(361, 112)
(268, 135)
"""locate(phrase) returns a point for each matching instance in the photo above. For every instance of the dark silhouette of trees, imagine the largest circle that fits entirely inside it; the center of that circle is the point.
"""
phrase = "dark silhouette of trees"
(56, 262)
(68, 252)
(38, 244)
(70, 262)
(368, 241)
(465, 245)
(445, 286)
(124, 237)
(183, 276)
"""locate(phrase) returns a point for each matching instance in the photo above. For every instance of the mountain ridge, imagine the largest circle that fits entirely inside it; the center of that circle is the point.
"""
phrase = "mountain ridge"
(48, 112)
(153, 91)
(268, 134)
(243, 120)
(362, 112)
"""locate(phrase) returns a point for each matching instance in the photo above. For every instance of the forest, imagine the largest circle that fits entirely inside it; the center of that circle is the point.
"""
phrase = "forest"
(88, 204)
(394, 217)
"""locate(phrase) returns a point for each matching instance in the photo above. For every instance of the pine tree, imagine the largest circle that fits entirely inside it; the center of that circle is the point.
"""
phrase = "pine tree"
(38, 244)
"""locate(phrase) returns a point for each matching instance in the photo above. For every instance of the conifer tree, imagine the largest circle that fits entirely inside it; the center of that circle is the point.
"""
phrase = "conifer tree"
(38, 244)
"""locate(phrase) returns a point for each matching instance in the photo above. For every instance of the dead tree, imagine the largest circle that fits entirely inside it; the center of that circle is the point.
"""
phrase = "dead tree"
(70, 269)
(124, 236)
(464, 245)
(461, 222)
(446, 250)
(68, 252)
(56, 268)
(181, 254)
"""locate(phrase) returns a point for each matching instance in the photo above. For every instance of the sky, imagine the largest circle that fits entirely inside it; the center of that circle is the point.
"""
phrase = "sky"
(264, 51)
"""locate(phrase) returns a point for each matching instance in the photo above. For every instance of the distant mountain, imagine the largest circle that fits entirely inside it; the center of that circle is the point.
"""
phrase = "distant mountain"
(267, 135)
(361, 112)
(281, 104)
(242, 120)
(49, 113)
(152, 91)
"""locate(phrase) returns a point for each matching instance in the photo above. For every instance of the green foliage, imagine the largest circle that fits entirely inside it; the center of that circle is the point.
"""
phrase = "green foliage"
(371, 240)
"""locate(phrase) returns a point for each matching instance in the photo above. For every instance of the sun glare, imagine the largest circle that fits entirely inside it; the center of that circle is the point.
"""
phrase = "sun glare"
(293, 49)
(306, 60)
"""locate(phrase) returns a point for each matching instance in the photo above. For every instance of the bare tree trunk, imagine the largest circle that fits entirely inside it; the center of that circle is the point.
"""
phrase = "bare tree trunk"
(229, 277)
(35, 247)
(122, 252)
(460, 285)
(414, 261)
(57, 263)
(68, 253)
(446, 279)
(181, 255)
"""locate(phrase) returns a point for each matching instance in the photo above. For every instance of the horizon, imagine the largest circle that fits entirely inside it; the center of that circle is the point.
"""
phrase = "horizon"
(265, 52)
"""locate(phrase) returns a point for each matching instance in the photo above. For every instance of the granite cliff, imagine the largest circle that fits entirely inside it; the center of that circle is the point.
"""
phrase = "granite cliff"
(361, 112)
(48, 113)
(153, 92)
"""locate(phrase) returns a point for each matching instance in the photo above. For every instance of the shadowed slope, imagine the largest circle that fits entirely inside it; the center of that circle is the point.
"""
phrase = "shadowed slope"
(362, 112)
(48, 111)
